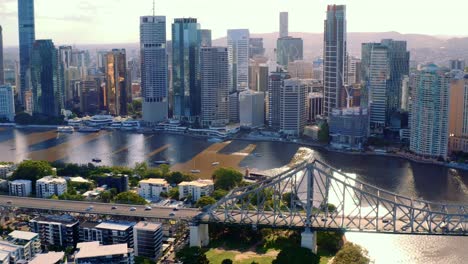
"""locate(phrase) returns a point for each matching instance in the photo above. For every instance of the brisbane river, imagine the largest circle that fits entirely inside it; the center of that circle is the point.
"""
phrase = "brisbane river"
(424, 181)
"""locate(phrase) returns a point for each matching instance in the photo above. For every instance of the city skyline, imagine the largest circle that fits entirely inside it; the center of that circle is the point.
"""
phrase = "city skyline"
(72, 24)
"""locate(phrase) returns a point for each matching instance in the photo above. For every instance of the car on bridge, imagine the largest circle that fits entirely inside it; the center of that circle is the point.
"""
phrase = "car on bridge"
(132, 209)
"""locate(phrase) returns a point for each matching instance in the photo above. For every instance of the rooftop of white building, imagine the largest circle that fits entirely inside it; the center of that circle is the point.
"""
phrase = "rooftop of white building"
(51, 257)
(198, 183)
(150, 226)
(121, 226)
(155, 181)
(23, 235)
(94, 249)
(52, 179)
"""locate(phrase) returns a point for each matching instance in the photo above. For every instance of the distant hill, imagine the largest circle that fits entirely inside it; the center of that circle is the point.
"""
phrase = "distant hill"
(423, 48)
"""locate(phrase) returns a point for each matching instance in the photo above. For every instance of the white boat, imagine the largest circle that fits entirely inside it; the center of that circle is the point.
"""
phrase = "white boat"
(216, 163)
(160, 162)
(100, 120)
(65, 129)
(88, 129)
(215, 140)
(195, 171)
(130, 125)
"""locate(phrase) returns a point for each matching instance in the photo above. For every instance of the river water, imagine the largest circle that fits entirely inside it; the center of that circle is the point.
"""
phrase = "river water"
(429, 182)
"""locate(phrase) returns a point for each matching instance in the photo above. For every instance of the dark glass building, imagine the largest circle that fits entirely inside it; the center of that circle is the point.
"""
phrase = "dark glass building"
(27, 36)
(289, 49)
(185, 69)
(334, 55)
(45, 79)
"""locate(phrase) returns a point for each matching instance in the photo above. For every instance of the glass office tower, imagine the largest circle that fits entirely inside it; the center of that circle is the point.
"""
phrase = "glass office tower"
(27, 36)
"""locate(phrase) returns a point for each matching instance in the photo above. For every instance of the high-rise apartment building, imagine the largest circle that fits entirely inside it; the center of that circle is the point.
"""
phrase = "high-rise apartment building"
(2, 71)
(429, 116)
(275, 85)
(289, 49)
(7, 103)
(238, 53)
(22, 188)
(252, 109)
(107, 233)
(334, 54)
(45, 79)
(214, 86)
(116, 92)
(293, 116)
(94, 253)
(185, 69)
(284, 31)
(458, 115)
(154, 80)
(147, 239)
(27, 36)
(56, 230)
(49, 186)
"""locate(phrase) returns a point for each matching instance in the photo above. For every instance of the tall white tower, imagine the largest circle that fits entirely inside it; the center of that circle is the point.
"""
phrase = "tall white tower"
(284, 31)
(238, 52)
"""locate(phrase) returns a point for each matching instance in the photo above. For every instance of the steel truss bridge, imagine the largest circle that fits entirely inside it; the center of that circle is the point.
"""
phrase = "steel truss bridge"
(315, 196)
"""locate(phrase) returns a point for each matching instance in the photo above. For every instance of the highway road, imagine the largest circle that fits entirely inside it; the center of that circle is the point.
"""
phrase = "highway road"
(97, 208)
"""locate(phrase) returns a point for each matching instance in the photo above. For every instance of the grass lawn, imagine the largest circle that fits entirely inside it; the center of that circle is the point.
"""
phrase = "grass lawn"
(216, 256)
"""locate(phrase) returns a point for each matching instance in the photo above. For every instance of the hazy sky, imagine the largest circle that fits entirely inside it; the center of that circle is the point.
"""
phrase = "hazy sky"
(116, 21)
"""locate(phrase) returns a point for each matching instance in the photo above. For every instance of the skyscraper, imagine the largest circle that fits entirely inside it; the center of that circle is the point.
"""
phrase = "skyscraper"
(205, 37)
(214, 86)
(7, 103)
(2, 73)
(45, 79)
(383, 67)
(458, 114)
(65, 60)
(457, 65)
(116, 82)
(429, 112)
(334, 54)
(375, 74)
(185, 69)
(27, 36)
(293, 107)
(289, 49)
(256, 47)
(154, 82)
(284, 31)
(275, 84)
(238, 48)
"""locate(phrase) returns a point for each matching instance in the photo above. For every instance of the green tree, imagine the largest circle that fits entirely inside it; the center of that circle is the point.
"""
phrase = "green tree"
(32, 170)
(153, 173)
(204, 201)
(129, 198)
(192, 255)
(226, 261)
(106, 196)
(227, 178)
(351, 253)
(329, 241)
(164, 169)
(174, 193)
(218, 194)
(23, 118)
(293, 255)
(177, 177)
(324, 133)
(143, 260)
(140, 168)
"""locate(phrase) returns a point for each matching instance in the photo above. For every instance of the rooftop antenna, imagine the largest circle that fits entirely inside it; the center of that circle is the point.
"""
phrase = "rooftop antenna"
(154, 8)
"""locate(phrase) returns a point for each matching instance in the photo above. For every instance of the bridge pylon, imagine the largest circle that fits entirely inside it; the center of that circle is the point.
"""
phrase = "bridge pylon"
(309, 240)
(199, 235)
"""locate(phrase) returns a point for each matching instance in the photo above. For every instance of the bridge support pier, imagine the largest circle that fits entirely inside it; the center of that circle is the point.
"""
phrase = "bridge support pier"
(309, 240)
(199, 236)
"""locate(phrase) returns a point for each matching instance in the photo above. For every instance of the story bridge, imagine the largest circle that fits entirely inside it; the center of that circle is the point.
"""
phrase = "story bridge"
(314, 197)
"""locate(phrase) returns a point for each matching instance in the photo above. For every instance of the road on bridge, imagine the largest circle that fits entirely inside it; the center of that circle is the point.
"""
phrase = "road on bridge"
(97, 208)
